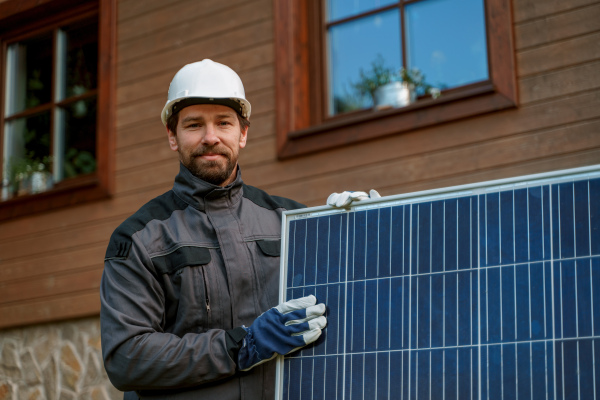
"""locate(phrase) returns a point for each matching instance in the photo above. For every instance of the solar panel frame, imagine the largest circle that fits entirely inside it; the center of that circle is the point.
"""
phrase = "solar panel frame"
(506, 261)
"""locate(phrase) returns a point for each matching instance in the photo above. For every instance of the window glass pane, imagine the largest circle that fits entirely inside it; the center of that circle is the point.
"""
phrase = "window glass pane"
(79, 140)
(81, 58)
(28, 74)
(446, 41)
(354, 47)
(338, 9)
(26, 150)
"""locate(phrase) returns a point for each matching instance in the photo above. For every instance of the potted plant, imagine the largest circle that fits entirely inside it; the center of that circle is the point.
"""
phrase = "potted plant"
(390, 88)
(29, 174)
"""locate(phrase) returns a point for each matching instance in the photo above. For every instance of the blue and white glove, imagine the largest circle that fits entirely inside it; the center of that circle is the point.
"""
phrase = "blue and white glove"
(282, 330)
(345, 198)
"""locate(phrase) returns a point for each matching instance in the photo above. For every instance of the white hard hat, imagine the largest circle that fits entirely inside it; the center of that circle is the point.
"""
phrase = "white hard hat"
(206, 82)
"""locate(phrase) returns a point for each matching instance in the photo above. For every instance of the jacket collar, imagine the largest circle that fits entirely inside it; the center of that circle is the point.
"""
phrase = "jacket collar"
(196, 191)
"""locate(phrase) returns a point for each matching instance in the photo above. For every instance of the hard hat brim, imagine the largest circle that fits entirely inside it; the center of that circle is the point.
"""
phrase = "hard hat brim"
(241, 106)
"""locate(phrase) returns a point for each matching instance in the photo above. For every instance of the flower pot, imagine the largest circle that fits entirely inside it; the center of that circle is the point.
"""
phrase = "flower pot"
(394, 94)
(41, 181)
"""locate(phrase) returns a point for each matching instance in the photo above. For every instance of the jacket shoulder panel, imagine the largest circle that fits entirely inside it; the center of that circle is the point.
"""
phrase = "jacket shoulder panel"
(159, 208)
(265, 200)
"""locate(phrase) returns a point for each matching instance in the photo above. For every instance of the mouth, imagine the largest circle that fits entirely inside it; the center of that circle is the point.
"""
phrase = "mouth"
(210, 156)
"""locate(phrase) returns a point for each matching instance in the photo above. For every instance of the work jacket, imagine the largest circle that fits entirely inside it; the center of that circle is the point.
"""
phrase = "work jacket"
(190, 265)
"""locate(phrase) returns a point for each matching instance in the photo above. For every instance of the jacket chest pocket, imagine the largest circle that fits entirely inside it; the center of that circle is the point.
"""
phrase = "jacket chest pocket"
(267, 261)
(187, 282)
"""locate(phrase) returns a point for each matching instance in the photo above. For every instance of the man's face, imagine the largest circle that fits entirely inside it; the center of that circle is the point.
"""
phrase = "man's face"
(208, 140)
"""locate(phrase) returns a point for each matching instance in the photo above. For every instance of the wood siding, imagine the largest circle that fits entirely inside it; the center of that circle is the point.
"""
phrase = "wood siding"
(51, 263)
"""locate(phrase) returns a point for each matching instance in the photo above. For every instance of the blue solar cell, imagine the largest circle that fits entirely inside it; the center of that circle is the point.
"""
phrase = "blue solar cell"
(523, 369)
(383, 376)
(507, 240)
(582, 221)
(384, 243)
(437, 236)
(508, 294)
(490, 295)
(383, 316)
(521, 219)
(594, 203)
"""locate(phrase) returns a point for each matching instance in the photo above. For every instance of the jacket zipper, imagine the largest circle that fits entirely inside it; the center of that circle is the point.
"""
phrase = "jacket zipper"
(207, 300)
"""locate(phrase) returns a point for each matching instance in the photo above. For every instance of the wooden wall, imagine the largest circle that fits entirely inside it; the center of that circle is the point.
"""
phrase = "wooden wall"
(51, 264)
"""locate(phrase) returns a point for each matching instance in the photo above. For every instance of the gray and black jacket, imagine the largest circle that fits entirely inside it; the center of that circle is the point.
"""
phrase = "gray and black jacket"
(180, 277)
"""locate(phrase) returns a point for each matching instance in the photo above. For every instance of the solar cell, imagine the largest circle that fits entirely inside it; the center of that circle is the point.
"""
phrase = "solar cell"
(486, 291)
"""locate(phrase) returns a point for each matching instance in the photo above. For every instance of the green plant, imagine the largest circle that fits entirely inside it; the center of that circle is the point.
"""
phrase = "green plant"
(22, 168)
(372, 79)
(379, 75)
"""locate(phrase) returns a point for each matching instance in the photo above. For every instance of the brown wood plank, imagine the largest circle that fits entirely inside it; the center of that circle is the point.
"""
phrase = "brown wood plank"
(559, 55)
(525, 10)
(560, 83)
(160, 31)
(485, 127)
(50, 285)
(160, 15)
(54, 262)
(42, 226)
(144, 131)
(154, 175)
(146, 154)
(129, 9)
(52, 309)
(568, 161)
(244, 38)
(58, 240)
(258, 151)
(558, 27)
(487, 155)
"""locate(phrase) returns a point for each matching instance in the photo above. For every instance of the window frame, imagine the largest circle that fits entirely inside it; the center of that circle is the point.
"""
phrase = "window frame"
(15, 17)
(301, 121)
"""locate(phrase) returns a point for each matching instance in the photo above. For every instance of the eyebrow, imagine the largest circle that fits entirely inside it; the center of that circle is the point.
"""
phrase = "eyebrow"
(193, 118)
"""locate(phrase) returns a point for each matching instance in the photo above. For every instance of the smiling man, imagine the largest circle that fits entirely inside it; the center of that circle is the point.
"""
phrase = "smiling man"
(190, 285)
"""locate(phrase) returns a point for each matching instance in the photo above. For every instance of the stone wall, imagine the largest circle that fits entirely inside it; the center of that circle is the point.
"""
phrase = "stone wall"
(54, 361)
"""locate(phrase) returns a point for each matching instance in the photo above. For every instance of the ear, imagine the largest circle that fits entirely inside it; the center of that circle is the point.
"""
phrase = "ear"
(243, 138)
(172, 140)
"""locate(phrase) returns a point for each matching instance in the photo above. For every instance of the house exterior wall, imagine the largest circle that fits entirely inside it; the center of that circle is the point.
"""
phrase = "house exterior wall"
(51, 263)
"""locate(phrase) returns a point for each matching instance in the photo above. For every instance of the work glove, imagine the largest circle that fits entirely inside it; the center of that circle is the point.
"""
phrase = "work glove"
(345, 198)
(282, 330)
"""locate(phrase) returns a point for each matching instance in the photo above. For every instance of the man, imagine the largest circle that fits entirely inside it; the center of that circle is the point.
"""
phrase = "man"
(191, 279)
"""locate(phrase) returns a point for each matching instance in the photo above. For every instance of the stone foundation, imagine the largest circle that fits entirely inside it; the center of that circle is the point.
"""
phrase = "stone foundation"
(54, 361)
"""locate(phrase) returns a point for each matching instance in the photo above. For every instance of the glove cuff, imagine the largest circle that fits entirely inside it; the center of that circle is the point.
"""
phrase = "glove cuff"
(234, 339)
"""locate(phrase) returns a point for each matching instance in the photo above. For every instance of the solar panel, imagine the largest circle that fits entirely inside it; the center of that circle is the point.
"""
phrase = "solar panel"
(487, 291)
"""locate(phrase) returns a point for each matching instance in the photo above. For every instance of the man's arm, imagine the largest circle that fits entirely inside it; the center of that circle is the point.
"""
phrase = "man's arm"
(137, 353)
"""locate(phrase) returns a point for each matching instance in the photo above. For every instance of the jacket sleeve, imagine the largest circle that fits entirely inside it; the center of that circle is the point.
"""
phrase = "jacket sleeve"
(138, 354)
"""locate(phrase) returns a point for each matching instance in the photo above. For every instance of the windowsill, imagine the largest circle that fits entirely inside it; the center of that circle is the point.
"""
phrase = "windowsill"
(74, 191)
(371, 124)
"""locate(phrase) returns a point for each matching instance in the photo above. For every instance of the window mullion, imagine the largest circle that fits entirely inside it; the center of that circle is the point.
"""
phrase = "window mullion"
(403, 34)
(58, 118)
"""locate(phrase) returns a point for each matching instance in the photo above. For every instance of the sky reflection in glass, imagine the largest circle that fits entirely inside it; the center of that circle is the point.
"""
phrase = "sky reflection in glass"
(354, 46)
(446, 41)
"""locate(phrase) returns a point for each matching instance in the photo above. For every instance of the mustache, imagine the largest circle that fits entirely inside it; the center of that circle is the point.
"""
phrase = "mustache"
(211, 150)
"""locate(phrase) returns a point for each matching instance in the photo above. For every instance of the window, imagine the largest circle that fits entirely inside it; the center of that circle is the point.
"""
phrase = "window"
(333, 54)
(57, 117)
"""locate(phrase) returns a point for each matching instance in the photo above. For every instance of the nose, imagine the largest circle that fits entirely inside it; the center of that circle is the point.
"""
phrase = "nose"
(210, 137)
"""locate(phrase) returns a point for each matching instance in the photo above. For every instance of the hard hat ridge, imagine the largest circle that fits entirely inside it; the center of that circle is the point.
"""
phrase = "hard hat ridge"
(206, 82)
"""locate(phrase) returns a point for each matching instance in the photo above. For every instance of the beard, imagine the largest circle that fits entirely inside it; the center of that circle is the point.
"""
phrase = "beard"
(215, 172)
